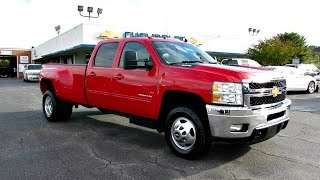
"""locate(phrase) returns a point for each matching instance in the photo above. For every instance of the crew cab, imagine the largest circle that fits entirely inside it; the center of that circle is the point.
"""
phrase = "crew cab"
(163, 84)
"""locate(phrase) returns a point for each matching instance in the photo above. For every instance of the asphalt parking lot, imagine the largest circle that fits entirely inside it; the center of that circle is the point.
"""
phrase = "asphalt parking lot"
(92, 146)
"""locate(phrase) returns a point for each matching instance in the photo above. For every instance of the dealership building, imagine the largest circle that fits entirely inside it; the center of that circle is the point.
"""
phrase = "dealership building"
(76, 45)
(12, 61)
(71, 47)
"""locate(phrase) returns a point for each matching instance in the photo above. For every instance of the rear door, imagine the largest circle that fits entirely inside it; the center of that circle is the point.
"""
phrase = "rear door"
(99, 76)
(134, 90)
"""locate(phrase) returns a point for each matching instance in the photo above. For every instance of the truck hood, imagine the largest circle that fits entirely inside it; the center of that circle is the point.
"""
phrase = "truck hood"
(240, 74)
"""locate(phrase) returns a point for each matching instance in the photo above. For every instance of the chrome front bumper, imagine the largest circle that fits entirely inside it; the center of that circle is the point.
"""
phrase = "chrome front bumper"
(221, 118)
(33, 77)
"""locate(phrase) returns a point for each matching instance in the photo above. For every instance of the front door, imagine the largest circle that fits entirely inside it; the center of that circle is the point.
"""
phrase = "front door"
(134, 90)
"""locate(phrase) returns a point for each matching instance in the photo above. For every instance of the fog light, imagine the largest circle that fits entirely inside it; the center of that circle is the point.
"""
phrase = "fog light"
(239, 127)
(236, 127)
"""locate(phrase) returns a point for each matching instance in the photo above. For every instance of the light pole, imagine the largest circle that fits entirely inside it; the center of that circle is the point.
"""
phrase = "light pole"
(89, 10)
(253, 31)
(57, 28)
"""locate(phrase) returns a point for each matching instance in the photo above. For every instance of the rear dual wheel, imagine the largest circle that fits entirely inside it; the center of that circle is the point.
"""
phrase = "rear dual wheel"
(54, 109)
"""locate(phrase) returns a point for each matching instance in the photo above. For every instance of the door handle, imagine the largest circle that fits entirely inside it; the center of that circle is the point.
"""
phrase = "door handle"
(118, 77)
(92, 74)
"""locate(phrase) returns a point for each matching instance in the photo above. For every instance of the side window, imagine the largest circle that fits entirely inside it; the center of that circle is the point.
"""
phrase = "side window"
(138, 48)
(224, 62)
(245, 62)
(230, 62)
(105, 54)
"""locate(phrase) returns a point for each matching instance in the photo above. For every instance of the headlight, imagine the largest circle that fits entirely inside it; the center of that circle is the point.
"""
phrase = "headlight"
(227, 93)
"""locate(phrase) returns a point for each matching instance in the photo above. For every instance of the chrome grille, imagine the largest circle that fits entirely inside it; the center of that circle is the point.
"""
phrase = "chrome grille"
(255, 101)
(281, 83)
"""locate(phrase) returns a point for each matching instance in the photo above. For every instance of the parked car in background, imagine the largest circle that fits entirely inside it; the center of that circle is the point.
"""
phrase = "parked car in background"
(318, 80)
(296, 80)
(308, 69)
(31, 72)
(240, 62)
(243, 62)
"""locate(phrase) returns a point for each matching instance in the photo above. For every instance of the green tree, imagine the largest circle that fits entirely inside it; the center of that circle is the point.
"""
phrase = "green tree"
(302, 51)
(315, 55)
(272, 51)
(4, 63)
(281, 49)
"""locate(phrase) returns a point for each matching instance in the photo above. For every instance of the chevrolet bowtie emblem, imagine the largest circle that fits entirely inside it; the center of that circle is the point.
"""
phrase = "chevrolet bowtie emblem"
(275, 91)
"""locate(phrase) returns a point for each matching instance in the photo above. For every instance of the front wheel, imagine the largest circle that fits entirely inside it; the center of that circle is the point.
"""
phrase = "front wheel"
(186, 134)
(311, 87)
(54, 109)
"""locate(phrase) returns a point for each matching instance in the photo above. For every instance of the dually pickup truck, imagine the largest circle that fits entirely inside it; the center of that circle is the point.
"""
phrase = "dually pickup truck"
(165, 84)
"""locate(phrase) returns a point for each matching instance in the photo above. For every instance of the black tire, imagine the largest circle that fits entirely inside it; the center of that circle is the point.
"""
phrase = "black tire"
(55, 110)
(311, 87)
(186, 117)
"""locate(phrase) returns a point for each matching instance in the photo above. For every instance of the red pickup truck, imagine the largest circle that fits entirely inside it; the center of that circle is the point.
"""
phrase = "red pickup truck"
(164, 84)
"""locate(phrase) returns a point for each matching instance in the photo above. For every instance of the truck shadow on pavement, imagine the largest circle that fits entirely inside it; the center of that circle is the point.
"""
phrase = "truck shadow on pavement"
(125, 145)
(130, 151)
(300, 92)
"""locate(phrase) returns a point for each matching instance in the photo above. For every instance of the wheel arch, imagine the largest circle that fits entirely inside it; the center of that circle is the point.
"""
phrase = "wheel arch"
(315, 85)
(174, 98)
(46, 85)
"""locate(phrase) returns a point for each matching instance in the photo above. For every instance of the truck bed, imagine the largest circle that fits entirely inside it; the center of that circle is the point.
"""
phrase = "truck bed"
(68, 81)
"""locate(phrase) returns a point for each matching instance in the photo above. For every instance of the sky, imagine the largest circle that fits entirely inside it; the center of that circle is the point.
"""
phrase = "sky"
(221, 25)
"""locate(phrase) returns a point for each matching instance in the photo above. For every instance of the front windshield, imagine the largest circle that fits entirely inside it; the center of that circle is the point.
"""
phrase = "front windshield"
(34, 67)
(180, 52)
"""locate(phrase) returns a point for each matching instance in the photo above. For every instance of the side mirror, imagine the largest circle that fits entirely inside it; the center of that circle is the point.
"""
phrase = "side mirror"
(131, 61)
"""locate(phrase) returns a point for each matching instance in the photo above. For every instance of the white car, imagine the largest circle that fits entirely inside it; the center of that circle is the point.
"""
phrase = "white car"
(309, 69)
(318, 80)
(296, 80)
(31, 72)
(240, 62)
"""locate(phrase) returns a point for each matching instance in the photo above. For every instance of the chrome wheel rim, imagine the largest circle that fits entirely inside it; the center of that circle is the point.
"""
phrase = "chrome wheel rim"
(48, 106)
(311, 87)
(183, 133)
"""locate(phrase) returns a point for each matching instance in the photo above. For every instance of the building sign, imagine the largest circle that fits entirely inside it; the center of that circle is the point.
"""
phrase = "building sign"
(24, 59)
(138, 34)
(296, 61)
(112, 35)
(4, 52)
(108, 35)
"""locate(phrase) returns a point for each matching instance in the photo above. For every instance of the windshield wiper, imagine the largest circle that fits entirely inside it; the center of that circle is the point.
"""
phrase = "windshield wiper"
(182, 62)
